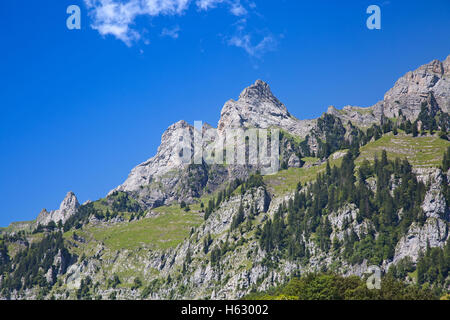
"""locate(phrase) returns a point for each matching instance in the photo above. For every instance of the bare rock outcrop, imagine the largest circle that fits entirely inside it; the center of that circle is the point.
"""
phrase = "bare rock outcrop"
(407, 96)
(363, 117)
(68, 207)
(434, 204)
(414, 87)
(257, 107)
(294, 161)
(434, 232)
(167, 159)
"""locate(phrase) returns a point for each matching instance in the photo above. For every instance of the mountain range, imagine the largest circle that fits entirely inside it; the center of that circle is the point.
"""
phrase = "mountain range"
(357, 187)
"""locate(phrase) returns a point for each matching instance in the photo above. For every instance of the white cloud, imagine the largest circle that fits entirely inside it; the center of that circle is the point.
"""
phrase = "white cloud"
(207, 4)
(173, 32)
(117, 17)
(236, 8)
(244, 41)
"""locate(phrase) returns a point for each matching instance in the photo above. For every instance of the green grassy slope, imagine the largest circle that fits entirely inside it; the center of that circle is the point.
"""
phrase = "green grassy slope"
(165, 230)
(285, 181)
(421, 151)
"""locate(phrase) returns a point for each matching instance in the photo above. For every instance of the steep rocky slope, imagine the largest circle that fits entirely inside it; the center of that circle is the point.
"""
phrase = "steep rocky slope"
(67, 209)
(257, 107)
(406, 96)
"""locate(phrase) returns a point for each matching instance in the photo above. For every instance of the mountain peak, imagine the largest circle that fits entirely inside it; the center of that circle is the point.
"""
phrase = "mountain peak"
(69, 203)
(167, 158)
(259, 94)
(332, 110)
(256, 107)
(258, 90)
(68, 207)
(411, 90)
(178, 125)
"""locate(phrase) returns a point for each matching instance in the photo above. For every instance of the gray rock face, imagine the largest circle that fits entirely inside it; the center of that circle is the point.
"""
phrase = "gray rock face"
(434, 204)
(434, 232)
(58, 268)
(413, 88)
(171, 175)
(343, 221)
(67, 208)
(294, 161)
(407, 95)
(167, 158)
(222, 218)
(363, 117)
(257, 107)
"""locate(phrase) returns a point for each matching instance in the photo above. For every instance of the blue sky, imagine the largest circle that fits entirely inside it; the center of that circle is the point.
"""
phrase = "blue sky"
(80, 108)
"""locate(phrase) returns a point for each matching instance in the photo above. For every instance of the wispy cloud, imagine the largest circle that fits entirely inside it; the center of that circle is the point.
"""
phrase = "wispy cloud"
(245, 39)
(236, 7)
(207, 4)
(172, 33)
(254, 49)
(118, 18)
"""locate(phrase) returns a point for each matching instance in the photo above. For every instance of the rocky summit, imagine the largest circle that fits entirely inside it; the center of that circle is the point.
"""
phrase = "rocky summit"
(257, 107)
(410, 90)
(357, 189)
(67, 209)
(406, 97)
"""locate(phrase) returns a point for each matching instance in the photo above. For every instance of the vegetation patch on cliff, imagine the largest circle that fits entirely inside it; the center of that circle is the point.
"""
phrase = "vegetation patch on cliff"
(160, 232)
(421, 151)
